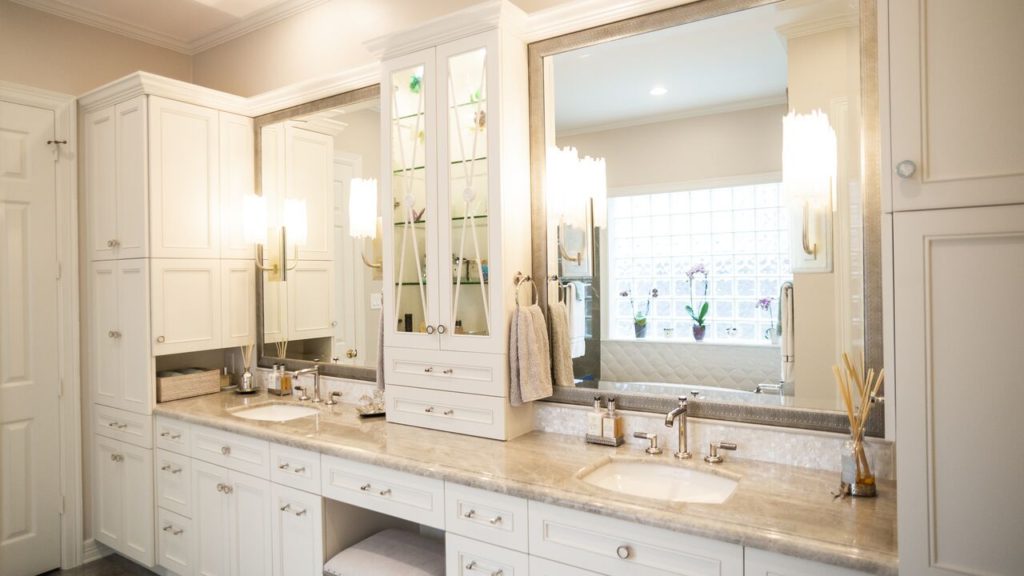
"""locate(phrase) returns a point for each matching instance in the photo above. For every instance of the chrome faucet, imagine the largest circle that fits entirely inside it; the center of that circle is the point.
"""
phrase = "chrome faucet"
(315, 371)
(679, 413)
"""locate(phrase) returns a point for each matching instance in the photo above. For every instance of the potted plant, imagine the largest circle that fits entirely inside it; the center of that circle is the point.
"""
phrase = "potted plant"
(698, 311)
(641, 309)
(771, 334)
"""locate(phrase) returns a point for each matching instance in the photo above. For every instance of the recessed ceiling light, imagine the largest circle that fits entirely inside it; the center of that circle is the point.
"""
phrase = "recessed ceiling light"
(659, 91)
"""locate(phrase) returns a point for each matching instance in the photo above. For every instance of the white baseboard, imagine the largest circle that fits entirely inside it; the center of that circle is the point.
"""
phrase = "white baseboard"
(93, 550)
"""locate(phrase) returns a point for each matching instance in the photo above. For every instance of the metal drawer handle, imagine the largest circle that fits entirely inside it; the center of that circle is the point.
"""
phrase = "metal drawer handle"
(114, 334)
(117, 457)
(169, 435)
(225, 450)
(495, 520)
(449, 412)
(474, 567)
(429, 410)
(624, 552)
(225, 488)
(300, 512)
(429, 369)
(385, 492)
(365, 487)
(448, 371)
(160, 339)
(168, 468)
(283, 466)
(299, 470)
(470, 514)
(175, 532)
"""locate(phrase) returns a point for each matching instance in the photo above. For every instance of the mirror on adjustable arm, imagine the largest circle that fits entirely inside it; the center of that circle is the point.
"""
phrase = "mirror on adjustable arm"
(316, 223)
(706, 206)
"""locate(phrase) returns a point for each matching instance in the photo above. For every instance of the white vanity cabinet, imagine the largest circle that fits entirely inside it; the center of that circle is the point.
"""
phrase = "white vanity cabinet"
(122, 498)
(456, 206)
(121, 369)
(298, 534)
(186, 305)
(232, 522)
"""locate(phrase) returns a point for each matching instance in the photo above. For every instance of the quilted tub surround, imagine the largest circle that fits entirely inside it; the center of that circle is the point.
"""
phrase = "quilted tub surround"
(739, 367)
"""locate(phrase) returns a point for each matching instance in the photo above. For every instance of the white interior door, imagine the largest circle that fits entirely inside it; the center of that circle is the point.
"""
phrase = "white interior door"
(349, 268)
(29, 378)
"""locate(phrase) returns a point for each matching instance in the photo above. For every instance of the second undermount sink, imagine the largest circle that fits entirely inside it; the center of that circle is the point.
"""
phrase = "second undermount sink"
(659, 481)
(275, 412)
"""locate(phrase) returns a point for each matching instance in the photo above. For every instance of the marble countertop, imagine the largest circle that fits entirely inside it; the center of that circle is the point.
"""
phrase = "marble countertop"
(779, 508)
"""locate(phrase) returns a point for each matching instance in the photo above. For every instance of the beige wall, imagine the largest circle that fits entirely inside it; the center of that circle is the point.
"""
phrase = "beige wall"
(324, 40)
(690, 149)
(44, 51)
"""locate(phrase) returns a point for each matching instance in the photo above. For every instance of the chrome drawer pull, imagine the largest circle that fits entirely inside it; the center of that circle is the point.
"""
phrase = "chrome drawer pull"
(170, 528)
(168, 468)
(288, 508)
(428, 410)
(225, 450)
(429, 370)
(474, 567)
(470, 514)
(283, 466)
(624, 552)
(365, 487)
(169, 435)
(300, 512)
(386, 492)
(299, 470)
(448, 371)
(449, 412)
(496, 520)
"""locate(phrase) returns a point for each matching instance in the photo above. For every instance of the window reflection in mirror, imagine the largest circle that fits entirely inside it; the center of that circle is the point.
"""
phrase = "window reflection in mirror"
(678, 280)
(328, 308)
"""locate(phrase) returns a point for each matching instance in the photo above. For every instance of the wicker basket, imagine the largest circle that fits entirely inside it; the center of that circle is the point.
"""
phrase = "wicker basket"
(187, 385)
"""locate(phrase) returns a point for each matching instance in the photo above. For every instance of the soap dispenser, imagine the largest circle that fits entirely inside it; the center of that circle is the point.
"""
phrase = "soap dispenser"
(612, 424)
(595, 419)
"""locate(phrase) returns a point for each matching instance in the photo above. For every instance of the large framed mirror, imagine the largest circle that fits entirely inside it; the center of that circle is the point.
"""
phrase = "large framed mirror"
(319, 293)
(706, 206)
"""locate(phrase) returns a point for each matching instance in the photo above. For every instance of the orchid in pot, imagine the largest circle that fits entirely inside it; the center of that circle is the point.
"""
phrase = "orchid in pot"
(698, 311)
(641, 309)
(771, 334)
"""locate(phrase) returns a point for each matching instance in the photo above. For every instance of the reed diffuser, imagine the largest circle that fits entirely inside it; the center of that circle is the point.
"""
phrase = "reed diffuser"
(247, 385)
(857, 478)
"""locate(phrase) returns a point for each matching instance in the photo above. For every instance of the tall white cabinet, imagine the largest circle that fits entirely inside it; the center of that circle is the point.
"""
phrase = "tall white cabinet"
(956, 207)
(163, 164)
(456, 213)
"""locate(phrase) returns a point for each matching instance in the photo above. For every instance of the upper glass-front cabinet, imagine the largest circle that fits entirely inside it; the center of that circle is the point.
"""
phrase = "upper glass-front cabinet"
(443, 191)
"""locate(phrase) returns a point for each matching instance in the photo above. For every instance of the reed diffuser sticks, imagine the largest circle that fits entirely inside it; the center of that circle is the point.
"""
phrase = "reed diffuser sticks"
(851, 379)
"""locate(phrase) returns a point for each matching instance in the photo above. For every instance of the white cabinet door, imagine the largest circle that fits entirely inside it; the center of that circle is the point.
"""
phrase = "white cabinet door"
(132, 190)
(309, 168)
(107, 504)
(184, 180)
(467, 557)
(237, 157)
(959, 276)
(275, 310)
(298, 532)
(955, 104)
(174, 482)
(250, 527)
(175, 543)
(104, 357)
(186, 305)
(100, 182)
(311, 300)
(238, 302)
(123, 498)
(762, 563)
(212, 519)
(137, 370)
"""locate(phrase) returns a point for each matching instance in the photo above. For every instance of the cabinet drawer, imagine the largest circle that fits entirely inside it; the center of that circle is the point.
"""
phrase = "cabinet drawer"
(175, 543)
(295, 467)
(172, 435)
(762, 563)
(125, 426)
(449, 411)
(443, 370)
(398, 494)
(620, 548)
(487, 516)
(230, 450)
(544, 567)
(174, 482)
(465, 557)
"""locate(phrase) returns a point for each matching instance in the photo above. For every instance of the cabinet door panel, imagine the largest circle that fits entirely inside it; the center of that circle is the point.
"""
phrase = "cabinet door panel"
(298, 532)
(176, 543)
(251, 526)
(211, 520)
(107, 504)
(137, 494)
(100, 175)
(174, 482)
(237, 156)
(184, 180)
(105, 357)
(132, 192)
(238, 302)
(311, 300)
(136, 365)
(186, 306)
(309, 168)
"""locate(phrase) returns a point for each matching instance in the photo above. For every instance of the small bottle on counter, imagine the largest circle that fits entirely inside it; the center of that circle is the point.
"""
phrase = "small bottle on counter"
(286, 382)
(595, 419)
(612, 423)
(274, 384)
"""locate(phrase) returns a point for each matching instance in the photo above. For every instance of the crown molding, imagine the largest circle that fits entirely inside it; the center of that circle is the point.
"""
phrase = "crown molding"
(466, 22)
(583, 14)
(314, 89)
(817, 26)
(140, 83)
(250, 23)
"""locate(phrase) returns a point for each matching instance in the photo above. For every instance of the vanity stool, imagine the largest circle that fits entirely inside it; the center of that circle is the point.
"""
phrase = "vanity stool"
(389, 553)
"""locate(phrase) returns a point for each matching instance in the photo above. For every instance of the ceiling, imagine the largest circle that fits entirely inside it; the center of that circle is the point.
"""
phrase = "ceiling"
(732, 62)
(186, 26)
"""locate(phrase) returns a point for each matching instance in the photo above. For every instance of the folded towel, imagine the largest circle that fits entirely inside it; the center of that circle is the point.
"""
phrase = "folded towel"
(380, 353)
(576, 303)
(390, 553)
(561, 359)
(529, 358)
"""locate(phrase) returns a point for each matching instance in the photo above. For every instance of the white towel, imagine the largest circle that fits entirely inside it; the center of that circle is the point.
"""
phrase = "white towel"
(576, 303)
(380, 353)
(561, 359)
(529, 358)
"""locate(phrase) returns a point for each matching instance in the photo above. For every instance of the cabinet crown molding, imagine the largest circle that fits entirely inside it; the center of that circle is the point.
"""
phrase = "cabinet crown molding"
(139, 83)
(467, 22)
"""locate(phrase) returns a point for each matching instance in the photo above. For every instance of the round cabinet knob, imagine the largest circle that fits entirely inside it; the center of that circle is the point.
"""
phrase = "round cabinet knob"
(160, 339)
(906, 169)
(624, 552)
(430, 329)
(441, 329)
(334, 323)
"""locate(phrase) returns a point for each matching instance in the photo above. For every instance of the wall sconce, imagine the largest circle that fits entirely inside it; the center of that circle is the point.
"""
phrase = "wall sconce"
(809, 164)
(363, 222)
(578, 197)
(276, 238)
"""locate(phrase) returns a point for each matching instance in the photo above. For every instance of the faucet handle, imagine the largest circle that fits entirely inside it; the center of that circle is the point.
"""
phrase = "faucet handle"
(653, 448)
(713, 456)
(331, 398)
(303, 397)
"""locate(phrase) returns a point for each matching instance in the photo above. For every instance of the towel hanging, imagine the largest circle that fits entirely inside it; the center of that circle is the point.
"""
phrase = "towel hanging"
(519, 281)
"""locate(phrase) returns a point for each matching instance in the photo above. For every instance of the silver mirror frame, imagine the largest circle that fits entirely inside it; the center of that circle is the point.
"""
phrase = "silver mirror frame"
(343, 99)
(831, 421)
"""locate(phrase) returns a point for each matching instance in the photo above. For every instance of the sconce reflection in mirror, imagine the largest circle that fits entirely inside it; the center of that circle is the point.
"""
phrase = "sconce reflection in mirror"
(292, 229)
(577, 193)
(362, 215)
(809, 166)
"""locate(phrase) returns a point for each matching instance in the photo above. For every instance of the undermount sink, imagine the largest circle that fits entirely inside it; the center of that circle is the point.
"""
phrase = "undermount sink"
(659, 481)
(275, 412)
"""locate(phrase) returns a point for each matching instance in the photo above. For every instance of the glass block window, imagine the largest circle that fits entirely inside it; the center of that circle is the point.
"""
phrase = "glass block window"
(741, 236)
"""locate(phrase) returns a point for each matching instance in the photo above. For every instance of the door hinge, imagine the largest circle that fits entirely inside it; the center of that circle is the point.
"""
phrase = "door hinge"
(60, 271)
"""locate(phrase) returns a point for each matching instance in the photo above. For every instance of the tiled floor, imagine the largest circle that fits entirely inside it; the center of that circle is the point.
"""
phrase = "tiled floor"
(112, 565)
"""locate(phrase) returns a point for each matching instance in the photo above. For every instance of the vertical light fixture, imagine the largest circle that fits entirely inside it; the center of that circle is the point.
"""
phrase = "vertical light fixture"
(809, 165)
(363, 222)
(257, 232)
(577, 197)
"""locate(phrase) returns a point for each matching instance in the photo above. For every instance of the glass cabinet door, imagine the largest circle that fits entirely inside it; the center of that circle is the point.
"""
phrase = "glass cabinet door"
(465, 193)
(412, 204)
